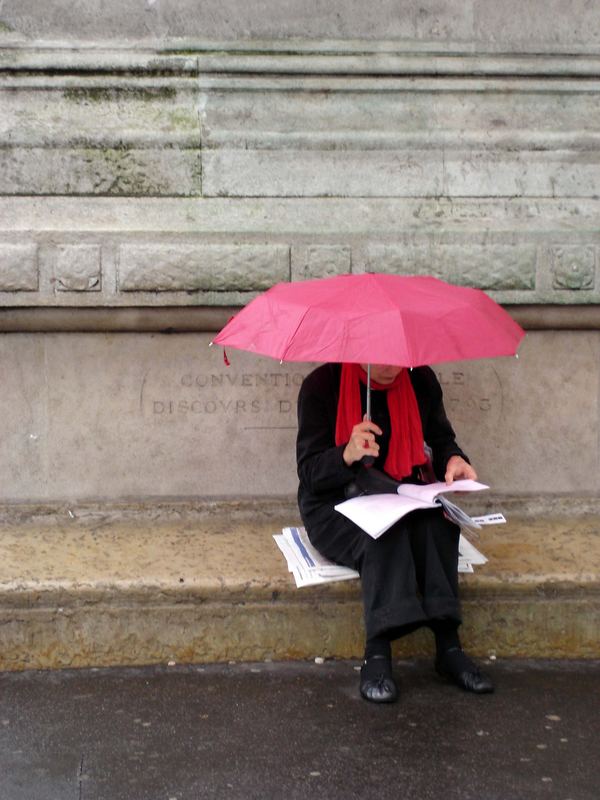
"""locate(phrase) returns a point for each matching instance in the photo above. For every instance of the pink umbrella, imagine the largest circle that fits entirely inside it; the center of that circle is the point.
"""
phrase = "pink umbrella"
(369, 318)
(383, 319)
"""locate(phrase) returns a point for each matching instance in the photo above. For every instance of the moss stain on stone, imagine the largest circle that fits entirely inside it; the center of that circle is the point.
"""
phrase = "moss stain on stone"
(181, 119)
(117, 172)
(99, 95)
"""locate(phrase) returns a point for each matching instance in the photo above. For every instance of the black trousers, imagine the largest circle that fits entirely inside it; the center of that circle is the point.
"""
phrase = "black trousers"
(409, 575)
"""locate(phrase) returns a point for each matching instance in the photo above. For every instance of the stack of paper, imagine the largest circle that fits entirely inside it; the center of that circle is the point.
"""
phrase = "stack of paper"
(305, 563)
(310, 568)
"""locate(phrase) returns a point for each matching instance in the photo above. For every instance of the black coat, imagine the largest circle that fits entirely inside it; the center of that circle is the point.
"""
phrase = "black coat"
(322, 471)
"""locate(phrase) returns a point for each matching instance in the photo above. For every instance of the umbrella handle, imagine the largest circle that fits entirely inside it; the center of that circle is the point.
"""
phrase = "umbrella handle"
(368, 461)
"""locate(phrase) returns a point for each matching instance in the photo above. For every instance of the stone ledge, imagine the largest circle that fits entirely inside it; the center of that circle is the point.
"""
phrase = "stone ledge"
(206, 583)
(210, 318)
(300, 57)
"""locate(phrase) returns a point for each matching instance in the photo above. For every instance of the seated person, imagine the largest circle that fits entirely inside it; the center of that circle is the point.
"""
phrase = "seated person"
(409, 576)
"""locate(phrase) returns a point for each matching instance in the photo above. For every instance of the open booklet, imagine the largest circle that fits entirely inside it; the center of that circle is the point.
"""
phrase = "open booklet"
(376, 513)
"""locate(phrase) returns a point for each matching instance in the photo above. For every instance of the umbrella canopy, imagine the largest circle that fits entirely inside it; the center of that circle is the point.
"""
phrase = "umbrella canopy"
(407, 321)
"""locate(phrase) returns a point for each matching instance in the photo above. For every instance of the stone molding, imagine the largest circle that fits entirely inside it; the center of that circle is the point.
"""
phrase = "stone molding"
(221, 252)
(298, 57)
(200, 319)
(151, 175)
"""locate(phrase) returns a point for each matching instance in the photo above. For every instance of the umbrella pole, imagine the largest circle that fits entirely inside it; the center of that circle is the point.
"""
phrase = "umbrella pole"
(368, 461)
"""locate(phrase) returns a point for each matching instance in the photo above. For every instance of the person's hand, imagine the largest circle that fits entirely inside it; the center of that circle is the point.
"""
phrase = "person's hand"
(362, 442)
(457, 468)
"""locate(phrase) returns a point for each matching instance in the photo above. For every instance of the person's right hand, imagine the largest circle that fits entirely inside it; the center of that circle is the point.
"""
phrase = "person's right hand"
(362, 442)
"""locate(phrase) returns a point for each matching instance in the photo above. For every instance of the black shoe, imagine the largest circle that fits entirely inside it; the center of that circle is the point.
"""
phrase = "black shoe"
(457, 667)
(376, 681)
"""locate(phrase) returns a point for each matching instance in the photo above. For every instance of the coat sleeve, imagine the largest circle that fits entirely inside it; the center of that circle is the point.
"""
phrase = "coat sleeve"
(321, 467)
(437, 430)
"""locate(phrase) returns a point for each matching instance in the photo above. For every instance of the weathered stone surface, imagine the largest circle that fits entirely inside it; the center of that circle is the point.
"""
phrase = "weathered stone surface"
(214, 587)
(106, 404)
(159, 267)
(119, 172)
(521, 23)
(233, 19)
(571, 218)
(426, 113)
(75, 113)
(321, 261)
(310, 65)
(18, 267)
(522, 174)
(485, 267)
(231, 173)
(78, 268)
(132, 121)
(81, 140)
(24, 407)
(517, 26)
(390, 173)
(503, 246)
(518, 418)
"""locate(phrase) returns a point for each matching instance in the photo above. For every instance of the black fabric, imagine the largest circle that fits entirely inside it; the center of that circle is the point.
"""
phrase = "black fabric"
(378, 646)
(408, 575)
(370, 480)
(446, 636)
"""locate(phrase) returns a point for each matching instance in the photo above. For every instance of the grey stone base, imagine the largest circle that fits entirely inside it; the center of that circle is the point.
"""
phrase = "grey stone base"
(94, 416)
(170, 582)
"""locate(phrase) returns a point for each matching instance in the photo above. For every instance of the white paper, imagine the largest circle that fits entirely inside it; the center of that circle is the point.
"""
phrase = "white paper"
(490, 519)
(310, 568)
(298, 541)
(469, 552)
(306, 564)
(429, 491)
(376, 513)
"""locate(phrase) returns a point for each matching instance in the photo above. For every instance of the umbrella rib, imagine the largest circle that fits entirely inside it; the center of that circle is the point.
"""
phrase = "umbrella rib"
(293, 334)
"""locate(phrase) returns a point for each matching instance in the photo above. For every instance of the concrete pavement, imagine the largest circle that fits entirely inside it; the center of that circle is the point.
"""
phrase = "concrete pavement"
(298, 730)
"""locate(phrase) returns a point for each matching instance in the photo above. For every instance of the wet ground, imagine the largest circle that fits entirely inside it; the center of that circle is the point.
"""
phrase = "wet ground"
(299, 730)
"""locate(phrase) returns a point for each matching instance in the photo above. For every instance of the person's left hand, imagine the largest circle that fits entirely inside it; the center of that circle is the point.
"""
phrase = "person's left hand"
(457, 468)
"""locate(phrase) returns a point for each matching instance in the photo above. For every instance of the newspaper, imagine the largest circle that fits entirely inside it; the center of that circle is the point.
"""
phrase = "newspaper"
(310, 568)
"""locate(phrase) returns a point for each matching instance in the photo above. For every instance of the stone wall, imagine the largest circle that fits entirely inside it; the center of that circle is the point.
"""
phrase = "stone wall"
(138, 415)
(178, 158)
(484, 25)
(131, 178)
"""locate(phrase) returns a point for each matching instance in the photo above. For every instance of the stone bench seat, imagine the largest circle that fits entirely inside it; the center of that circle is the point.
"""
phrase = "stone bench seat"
(155, 582)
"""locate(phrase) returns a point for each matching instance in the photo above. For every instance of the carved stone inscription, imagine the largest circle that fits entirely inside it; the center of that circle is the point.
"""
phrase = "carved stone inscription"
(474, 402)
(250, 399)
(465, 395)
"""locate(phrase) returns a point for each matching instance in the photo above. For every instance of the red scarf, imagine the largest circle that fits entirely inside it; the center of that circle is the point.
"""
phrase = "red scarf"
(406, 442)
